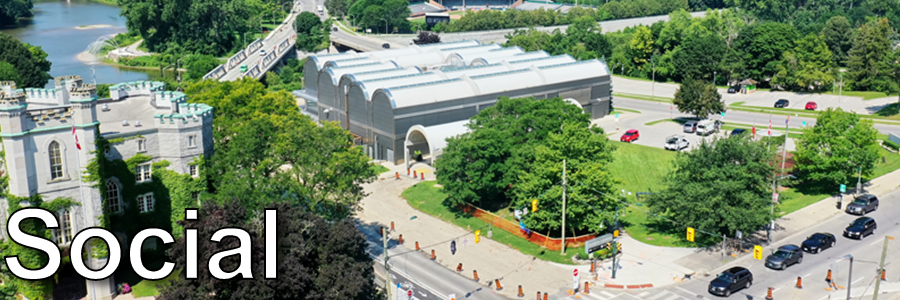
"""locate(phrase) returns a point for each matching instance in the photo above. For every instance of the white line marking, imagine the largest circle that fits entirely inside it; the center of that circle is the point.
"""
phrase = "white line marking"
(804, 276)
(643, 294)
(876, 242)
(686, 291)
(674, 297)
(855, 281)
(775, 290)
(607, 294)
(657, 296)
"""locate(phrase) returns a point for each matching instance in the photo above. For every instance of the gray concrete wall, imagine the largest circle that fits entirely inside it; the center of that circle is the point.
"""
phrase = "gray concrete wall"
(894, 138)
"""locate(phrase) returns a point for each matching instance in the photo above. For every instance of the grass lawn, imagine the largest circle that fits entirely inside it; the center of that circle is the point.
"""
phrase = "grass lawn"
(429, 199)
(892, 163)
(379, 168)
(618, 109)
(148, 288)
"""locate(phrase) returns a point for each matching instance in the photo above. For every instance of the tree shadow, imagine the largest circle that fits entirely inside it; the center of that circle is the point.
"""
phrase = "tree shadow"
(889, 110)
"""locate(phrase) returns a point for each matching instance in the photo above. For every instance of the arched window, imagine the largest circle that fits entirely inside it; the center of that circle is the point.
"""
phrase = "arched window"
(56, 162)
(113, 200)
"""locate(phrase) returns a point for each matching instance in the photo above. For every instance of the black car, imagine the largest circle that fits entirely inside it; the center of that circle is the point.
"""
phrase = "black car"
(730, 281)
(732, 90)
(784, 257)
(738, 131)
(782, 103)
(860, 228)
(863, 204)
(818, 242)
(386, 46)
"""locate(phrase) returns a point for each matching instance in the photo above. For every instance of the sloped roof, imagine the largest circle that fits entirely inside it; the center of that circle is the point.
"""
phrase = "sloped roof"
(336, 72)
(370, 86)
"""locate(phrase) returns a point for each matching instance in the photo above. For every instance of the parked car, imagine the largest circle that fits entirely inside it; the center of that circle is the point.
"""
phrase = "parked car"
(818, 242)
(730, 281)
(262, 52)
(782, 103)
(860, 228)
(335, 29)
(690, 126)
(386, 46)
(676, 142)
(863, 205)
(707, 127)
(811, 105)
(734, 89)
(784, 257)
(630, 136)
(738, 131)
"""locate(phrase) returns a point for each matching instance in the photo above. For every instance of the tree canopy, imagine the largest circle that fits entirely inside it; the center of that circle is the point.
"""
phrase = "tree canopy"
(12, 10)
(427, 37)
(809, 66)
(312, 34)
(29, 62)
(316, 259)
(698, 98)
(831, 152)
(199, 65)
(721, 186)
(872, 63)
(381, 15)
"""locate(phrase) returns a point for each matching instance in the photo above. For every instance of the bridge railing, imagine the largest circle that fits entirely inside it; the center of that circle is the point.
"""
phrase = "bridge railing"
(236, 59)
(216, 73)
(254, 45)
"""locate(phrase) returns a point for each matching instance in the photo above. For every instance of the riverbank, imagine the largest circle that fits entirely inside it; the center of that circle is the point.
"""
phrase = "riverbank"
(107, 2)
(96, 26)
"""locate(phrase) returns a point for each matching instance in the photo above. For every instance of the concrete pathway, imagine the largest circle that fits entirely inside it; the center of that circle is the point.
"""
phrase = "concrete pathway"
(131, 297)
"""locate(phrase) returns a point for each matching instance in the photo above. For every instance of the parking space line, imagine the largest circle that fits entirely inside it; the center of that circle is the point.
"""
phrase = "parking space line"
(855, 281)
(876, 242)
(804, 276)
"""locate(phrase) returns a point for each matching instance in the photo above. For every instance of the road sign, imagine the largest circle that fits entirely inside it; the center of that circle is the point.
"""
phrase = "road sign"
(616, 233)
(534, 205)
(453, 247)
(477, 236)
(804, 123)
(575, 279)
(597, 243)
(843, 188)
(757, 252)
(617, 115)
(774, 197)
(690, 234)
(575, 273)
(723, 114)
(409, 293)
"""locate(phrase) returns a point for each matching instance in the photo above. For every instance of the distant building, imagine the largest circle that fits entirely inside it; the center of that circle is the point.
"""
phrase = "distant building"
(402, 100)
(42, 156)
(432, 19)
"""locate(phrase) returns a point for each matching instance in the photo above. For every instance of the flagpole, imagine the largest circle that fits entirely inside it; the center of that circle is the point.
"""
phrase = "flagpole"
(83, 207)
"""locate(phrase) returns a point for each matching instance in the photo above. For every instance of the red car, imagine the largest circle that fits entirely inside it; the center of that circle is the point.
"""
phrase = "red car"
(630, 136)
(811, 105)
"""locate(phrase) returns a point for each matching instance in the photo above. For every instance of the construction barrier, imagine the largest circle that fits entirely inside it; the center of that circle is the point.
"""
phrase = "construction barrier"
(883, 275)
(497, 281)
(828, 277)
(587, 288)
(423, 176)
(382, 231)
(475, 274)
(552, 244)
(459, 267)
(415, 174)
(400, 239)
(407, 171)
(392, 225)
(398, 175)
(539, 295)
(545, 296)
(417, 246)
(521, 293)
(769, 294)
(799, 282)
(592, 266)
(433, 257)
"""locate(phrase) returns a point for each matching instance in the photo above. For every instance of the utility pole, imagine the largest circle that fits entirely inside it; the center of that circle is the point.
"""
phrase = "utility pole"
(859, 181)
(347, 105)
(653, 79)
(881, 265)
(615, 244)
(387, 266)
(784, 149)
(849, 275)
(564, 210)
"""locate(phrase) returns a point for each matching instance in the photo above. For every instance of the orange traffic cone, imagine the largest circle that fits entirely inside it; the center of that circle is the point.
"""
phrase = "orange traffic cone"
(407, 171)
(497, 281)
(398, 175)
(592, 266)
(400, 239)
(417, 246)
(382, 231)
(587, 288)
(539, 295)
(475, 274)
(459, 267)
(883, 277)
(415, 174)
(828, 277)
(521, 294)
(799, 282)
(423, 176)
(769, 294)
(545, 296)
(392, 225)
(433, 257)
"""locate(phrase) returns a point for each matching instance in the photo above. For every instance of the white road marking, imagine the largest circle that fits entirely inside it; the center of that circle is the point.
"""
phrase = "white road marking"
(673, 297)
(643, 294)
(660, 295)
(876, 242)
(804, 276)
(855, 281)
(686, 291)
(607, 294)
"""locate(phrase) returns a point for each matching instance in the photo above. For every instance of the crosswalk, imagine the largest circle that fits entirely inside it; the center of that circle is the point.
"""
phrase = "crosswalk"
(645, 295)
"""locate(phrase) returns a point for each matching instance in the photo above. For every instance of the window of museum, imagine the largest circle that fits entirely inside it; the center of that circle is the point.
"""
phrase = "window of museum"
(113, 199)
(64, 233)
(56, 162)
(142, 173)
(145, 202)
(194, 170)
(142, 145)
(192, 141)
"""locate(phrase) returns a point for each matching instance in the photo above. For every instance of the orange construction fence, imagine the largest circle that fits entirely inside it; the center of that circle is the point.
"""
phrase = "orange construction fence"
(553, 244)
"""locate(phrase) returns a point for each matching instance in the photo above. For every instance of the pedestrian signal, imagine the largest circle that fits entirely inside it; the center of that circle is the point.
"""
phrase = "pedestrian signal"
(758, 252)
(534, 205)
(477, 236)
(690, 234)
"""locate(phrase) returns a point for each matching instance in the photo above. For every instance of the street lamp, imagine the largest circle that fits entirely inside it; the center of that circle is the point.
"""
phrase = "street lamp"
(841, 91)
(385, 26)
(849, 275)
(387, 266)
(178, 72)
(653, 79)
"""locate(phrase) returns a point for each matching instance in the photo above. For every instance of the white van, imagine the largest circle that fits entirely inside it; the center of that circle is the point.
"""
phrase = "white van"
(706, 127)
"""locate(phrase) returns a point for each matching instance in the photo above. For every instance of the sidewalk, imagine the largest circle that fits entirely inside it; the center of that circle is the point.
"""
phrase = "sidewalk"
(130, 296)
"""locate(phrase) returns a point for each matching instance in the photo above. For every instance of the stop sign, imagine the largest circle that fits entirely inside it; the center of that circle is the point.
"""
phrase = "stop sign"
(409, 293)
(575, 273)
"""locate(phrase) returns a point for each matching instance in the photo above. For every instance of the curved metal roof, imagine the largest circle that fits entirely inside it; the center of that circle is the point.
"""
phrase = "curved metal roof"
(337, 72)
(369, 87)
(517, 57)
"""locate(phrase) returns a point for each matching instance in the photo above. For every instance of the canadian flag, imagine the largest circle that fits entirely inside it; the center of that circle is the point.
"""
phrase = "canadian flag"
(770, 127)
(753, 131)
(77, 144)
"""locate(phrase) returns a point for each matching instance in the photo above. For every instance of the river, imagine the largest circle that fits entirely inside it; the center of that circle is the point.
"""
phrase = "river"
(55, 29)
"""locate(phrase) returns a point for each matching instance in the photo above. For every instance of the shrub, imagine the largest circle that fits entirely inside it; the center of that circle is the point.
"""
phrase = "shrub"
(891, 144)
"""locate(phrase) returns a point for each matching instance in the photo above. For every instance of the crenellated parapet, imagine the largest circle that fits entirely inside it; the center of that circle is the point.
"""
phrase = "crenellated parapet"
(169, 99)
(188, 114)
(135, 88)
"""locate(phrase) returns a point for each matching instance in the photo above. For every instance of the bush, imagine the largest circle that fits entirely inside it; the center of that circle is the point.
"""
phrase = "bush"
(891, 144)
(775, 140)
(582, 256)
(140, 61)
(103, 90)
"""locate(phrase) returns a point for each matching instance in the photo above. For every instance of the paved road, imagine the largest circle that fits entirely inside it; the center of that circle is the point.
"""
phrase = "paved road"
(813, 269)
(429, 279)
(499, 36)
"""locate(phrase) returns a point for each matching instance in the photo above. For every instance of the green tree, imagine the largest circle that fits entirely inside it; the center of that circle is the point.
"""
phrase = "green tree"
(338, 8)
(808, 67)
(206, 26)
(8, 72)
(833, 151)
(198, 65)
(587, 152)
(763, 46)
(30, 62)
(483, 165)
(871, 63)
(699, 56)
(12, 10)
(315, 32)
(838, 35)
(641, 47)
(698, 98)
(672, 33)
(719, 187)
(426, 37)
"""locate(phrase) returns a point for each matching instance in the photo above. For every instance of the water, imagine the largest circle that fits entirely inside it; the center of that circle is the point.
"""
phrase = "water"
(54, 29)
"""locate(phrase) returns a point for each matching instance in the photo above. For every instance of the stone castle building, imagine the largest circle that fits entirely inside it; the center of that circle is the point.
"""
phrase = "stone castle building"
(36, 126)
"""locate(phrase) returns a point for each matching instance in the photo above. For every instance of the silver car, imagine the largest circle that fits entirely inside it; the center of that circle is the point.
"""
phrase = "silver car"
(676, 142)
(690, 126)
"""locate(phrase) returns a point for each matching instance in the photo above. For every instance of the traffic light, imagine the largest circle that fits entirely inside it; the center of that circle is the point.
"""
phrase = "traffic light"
(619, 247)
(758, 252)
(690, 234)
(534, 205)
(477, 236)
(616, 233)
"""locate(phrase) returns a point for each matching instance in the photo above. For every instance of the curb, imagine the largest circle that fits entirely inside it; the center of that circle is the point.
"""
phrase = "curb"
(628, 286)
